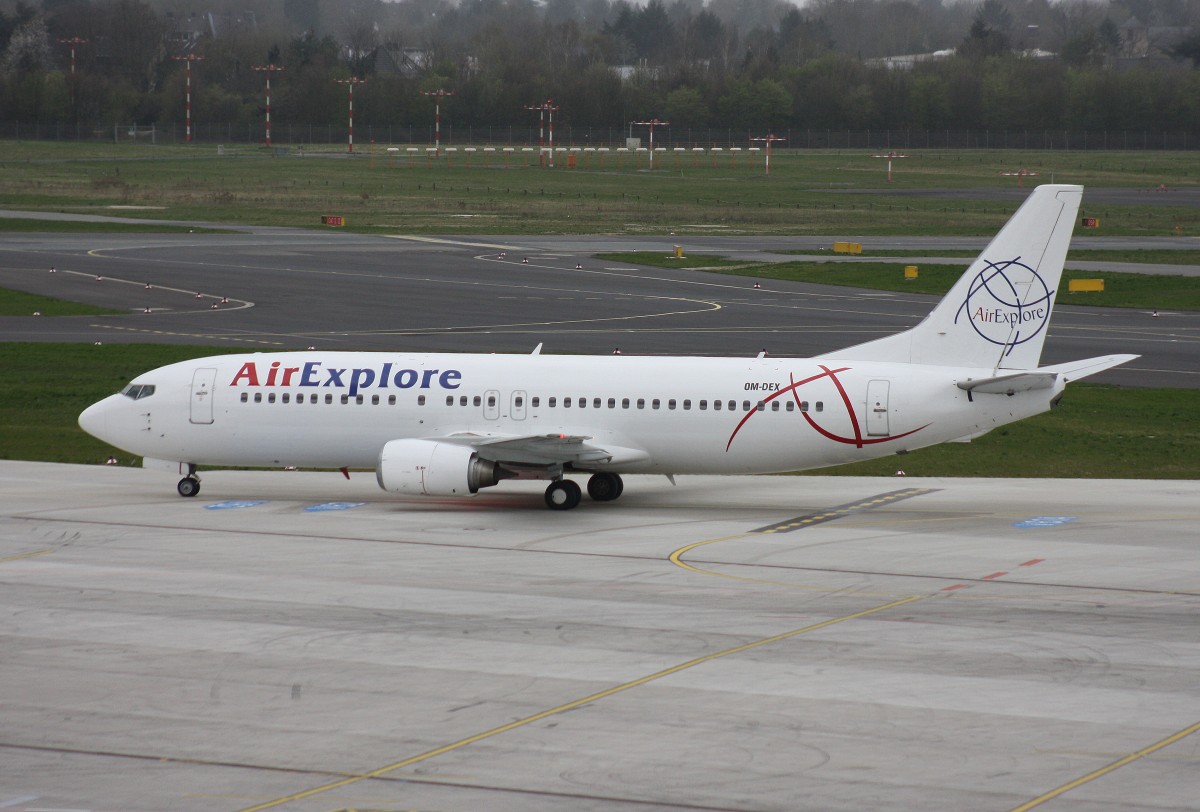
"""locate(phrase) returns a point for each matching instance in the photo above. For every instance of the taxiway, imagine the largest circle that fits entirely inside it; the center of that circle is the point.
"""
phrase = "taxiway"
(297, 641)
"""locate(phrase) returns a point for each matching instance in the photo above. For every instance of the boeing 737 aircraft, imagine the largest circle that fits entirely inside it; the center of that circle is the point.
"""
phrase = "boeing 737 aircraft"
(449, 425)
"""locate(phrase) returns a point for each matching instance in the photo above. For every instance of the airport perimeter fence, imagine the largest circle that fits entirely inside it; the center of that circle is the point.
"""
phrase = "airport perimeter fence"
(284, 134)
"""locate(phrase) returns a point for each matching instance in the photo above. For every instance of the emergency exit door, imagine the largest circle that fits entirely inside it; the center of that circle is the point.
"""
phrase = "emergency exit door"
(877, 409)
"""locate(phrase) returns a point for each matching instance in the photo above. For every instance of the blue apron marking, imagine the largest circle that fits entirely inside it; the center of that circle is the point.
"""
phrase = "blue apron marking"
(1044, 521)
(324, 506)
(234, 504)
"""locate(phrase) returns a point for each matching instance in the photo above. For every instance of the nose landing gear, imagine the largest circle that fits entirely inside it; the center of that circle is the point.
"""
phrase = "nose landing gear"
(190, 484)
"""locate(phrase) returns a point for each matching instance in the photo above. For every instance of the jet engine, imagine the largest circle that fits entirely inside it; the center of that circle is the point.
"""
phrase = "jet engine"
(431, 468)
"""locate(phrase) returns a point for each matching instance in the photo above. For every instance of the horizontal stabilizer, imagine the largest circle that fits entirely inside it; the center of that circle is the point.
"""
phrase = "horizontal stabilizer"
(1010, 384)
(1076, 370)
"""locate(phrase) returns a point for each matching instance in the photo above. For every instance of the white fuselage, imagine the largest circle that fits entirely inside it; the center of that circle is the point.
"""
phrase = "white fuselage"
(673, 415)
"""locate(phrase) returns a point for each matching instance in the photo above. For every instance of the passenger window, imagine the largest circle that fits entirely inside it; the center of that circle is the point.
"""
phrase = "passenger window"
(566, 403)
(583, 403)
(774, 405)
(820, 406)
(716, 405)
(520, 401)
(328, 399)
(258, 397)
(491, 400)
(654, 403)
(374, 400)
(671, 403)
(687, 404)
(476, 401)
(596, 403)
(704, 405)
(358, 400)
(245, 397)
(641, 403)
(762, 407)
(462, 401)
(535, 401)
(345, 399)
(420, 400)
(271, 398)
(733, 405)
(286, 398)
(624, 403)
(551, 402)
(745, 405)
(612, 403)
(449, 400)
(791, 406)
(391, 400)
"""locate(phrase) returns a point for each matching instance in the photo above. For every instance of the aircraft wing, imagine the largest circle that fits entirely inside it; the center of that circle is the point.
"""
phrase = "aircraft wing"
(545, 449)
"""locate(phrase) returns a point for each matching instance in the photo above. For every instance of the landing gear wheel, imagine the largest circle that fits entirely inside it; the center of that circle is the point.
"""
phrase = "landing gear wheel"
(563, 494)
(605, 487)
(188, 486)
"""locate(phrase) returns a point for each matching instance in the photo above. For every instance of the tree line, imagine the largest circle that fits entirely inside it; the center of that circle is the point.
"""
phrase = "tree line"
(754, 65)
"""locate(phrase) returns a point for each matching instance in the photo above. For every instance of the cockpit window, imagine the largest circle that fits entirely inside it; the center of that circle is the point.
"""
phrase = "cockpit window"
(137, 391)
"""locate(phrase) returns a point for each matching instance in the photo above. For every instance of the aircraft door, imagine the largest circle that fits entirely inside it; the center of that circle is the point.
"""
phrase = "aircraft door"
(203, 381)
(491, 405)
(517, 405)
(877, 409)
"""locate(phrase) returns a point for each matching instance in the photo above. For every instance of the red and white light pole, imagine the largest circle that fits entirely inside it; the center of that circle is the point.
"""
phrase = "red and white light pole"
(438, 95)
(73, 42)
(652, 123)
(547, 106)
(351, 82)
(770, 139)
(268, 69)
(188, 59)
(890, 157)
(541, 108)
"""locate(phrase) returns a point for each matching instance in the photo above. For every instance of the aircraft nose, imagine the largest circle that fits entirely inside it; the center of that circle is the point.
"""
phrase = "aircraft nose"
(94, 419)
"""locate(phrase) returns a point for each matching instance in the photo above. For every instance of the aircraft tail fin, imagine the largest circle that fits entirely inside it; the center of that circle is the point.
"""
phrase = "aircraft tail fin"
(997, 314)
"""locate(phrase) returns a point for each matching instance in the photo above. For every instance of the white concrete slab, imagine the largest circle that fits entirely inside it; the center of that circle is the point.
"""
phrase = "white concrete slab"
(975, 645)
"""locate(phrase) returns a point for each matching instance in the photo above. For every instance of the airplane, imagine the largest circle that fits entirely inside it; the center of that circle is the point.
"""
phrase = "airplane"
(449, 425)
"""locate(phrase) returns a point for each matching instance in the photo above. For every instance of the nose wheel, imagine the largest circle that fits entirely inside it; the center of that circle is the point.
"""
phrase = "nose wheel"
(563, 494)
(190, 484)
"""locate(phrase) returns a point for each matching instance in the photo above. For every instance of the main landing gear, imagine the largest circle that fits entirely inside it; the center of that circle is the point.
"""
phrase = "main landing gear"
(564, 494)
(190, 484)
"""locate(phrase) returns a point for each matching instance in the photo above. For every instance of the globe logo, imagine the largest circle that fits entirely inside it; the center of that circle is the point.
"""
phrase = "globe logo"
(1007, 304)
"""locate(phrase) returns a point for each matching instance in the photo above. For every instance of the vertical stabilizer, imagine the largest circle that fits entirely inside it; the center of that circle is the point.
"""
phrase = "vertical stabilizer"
(998, 312)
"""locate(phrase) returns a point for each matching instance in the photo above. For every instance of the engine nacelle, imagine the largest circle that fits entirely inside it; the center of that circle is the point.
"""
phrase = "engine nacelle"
(430, 468)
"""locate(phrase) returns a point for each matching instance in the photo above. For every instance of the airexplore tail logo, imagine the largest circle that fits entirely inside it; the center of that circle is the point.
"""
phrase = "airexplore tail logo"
(1007, 303)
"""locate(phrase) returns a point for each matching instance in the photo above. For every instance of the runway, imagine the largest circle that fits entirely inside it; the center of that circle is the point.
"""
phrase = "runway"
(297, 641)
(282, 289)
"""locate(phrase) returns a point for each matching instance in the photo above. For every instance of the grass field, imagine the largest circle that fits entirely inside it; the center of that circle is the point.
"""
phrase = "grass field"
(30, 225)
(808, 192)
(17, 303)
(1098, 431)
